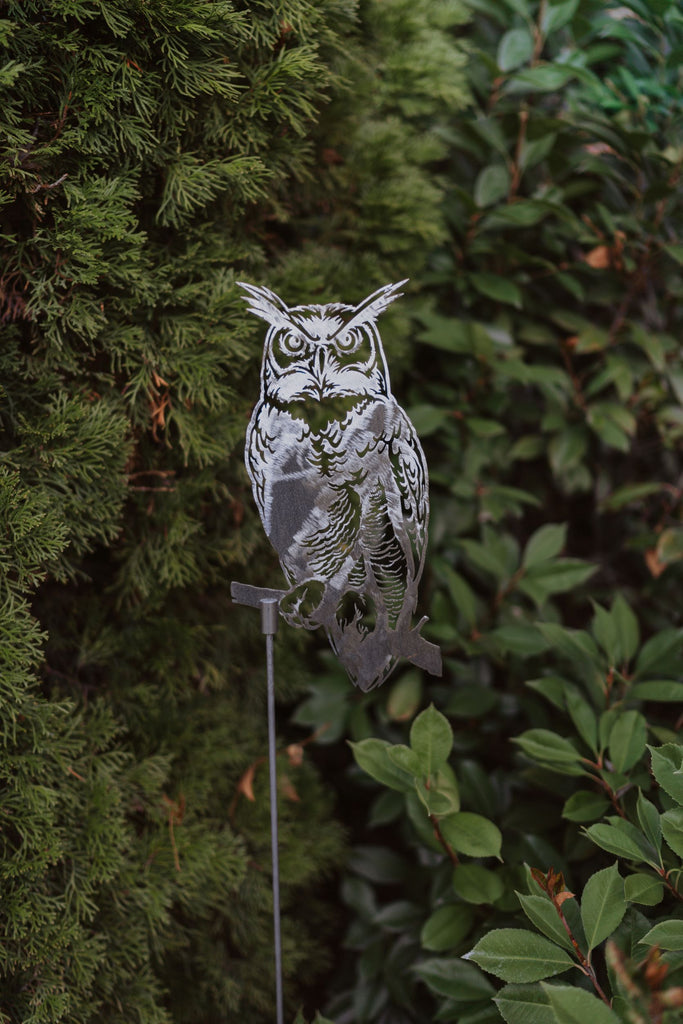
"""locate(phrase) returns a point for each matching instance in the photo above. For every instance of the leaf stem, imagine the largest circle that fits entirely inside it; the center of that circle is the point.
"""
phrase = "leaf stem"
(443, 841)
(585, 965)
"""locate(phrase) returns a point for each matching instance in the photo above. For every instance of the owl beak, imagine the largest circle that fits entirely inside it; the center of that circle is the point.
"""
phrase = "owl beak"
(319, 367)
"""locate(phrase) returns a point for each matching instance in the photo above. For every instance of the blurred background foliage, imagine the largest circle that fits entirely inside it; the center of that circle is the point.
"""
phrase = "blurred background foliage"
(520, 162)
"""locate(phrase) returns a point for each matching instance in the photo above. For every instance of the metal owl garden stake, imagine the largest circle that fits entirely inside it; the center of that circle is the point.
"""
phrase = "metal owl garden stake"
(340, 481)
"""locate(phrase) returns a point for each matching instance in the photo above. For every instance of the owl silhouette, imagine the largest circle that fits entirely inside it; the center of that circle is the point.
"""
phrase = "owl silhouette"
(340, 481)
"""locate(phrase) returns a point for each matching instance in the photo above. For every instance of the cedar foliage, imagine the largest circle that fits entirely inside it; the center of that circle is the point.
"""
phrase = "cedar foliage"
(145, 147)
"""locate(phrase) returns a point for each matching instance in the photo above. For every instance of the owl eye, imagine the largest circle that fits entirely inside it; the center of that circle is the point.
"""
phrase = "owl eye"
(291, 343)
(349, 342)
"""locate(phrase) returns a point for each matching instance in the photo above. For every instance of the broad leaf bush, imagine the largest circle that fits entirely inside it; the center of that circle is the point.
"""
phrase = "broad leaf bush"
(518, 823)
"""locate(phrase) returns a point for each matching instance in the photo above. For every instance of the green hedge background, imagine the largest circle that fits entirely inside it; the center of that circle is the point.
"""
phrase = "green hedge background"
(520, 161)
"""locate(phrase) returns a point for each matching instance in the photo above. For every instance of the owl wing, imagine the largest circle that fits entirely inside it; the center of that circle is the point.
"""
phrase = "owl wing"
(392, 537)
(403, 479)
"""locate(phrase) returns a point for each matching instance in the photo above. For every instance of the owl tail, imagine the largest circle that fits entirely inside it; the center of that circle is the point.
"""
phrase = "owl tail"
(370, 660)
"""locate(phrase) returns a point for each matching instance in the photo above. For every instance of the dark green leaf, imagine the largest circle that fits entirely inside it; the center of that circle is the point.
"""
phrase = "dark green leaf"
(585, 806)
(628, 631)
(431, 737)
(500, 289)
(627, 740)
(405, 759)
(544, 544)
(524, 1004)
(664, 690)
(378, 864)
(648, 818)
(642, 888)
(668, 769)
(543, 78)
(602, 905)
(667, 935)
(513, 954)
(544, 916)
(515, 48)
(575, 1006)
(546, 746)
(373, 757)
(584, 718)
(404, 697)
(472, 834)
(615, 841)
(454, 977)
(492, 184)
(672, 829)
(476, 884)
(446, 927)
(557, 15)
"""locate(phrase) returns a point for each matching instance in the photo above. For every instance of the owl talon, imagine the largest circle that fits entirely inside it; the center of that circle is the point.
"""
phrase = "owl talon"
(299, 604)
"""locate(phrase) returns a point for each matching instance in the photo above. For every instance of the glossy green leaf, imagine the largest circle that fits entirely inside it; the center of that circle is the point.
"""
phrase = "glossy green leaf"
(561, 575)
(476, 884)
(642, 888)
(454, 977)
(500, 289)
(544, 745)
(472, 834)
(666, 935)
(446, 927)
(492, 185)
(544, 916)
(524, 1004)
(542, 78)
(461, 594)
(515, 48)
(667, 767)
(405, 759)
(514, 954)
(555, 16)
(544, 544)
(585, 806)
(584, 718)
(628, 631)
(667, 691)
(672, 829)
(372, 755)
(431, 737)
(602, 905)
(483, 558)
(576, 1006)
(649, 820)
(627, 740)
(616, 841)
(404, 697)
(661, 654)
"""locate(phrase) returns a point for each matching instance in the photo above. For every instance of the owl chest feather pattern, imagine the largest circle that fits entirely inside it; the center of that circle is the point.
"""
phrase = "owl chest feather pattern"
(326, 495)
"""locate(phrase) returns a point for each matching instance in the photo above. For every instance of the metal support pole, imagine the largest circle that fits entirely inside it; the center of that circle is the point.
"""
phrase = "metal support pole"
(269, 613)
(269, 603)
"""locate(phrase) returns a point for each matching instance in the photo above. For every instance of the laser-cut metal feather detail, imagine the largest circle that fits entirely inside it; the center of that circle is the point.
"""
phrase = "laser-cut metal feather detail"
(340, 482)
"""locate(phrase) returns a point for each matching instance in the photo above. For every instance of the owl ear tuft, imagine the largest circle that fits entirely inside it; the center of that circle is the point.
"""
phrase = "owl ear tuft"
(266, 304)
(371, 307)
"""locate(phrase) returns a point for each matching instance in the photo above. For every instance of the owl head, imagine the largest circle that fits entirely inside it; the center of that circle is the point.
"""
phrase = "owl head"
(316, 353)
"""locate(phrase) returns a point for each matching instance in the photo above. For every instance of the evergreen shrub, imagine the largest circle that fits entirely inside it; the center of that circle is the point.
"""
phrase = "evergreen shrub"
(147, 148)
(520, 852)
